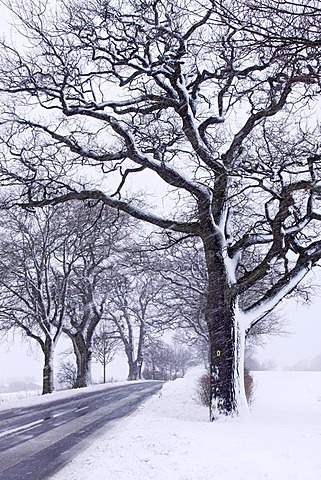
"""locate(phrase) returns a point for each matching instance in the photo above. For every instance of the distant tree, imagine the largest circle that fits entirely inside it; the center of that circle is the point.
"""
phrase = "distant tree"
(313, 365)
(251, 363)
(131, 310)
(268, 365)
(154, 363)
(182, 358)
(104, 347)
(167, 362)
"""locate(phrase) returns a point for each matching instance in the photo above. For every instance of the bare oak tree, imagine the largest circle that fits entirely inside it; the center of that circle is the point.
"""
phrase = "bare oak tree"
(210, 96)
(35, 268)
(131, 310)
(101, 233)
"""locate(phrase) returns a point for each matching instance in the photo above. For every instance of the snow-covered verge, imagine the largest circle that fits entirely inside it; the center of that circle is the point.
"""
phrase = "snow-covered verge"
(8, 399)
(170, 438)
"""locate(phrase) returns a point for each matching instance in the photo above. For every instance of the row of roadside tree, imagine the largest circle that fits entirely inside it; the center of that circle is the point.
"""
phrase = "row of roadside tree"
(83, 272)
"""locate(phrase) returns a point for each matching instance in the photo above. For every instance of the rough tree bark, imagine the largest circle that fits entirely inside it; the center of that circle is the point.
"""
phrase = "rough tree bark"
(83, 356)
(81, 331)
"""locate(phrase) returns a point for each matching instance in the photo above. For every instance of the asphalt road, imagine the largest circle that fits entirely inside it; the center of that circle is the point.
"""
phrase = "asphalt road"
(37, 441)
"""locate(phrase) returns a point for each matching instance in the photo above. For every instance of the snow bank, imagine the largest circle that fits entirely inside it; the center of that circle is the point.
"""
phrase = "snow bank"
(9, 399)
(169, 437)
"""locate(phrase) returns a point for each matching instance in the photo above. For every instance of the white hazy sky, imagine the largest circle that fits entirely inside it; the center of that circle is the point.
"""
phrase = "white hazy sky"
(304, 339)
(303, 322)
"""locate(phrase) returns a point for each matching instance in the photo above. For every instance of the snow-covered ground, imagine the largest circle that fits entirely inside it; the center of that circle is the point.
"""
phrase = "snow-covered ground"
(169, 437)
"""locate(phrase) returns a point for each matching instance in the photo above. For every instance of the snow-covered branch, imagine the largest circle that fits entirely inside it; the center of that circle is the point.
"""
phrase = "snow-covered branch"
(188, 227)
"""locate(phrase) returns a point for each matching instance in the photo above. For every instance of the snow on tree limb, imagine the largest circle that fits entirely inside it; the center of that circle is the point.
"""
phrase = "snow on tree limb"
(188, 227)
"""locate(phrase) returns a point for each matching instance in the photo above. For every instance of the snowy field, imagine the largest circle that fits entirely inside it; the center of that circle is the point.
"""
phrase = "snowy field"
(169, 437)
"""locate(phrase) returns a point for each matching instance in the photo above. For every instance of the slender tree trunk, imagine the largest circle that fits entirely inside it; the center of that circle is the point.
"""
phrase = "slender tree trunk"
(48, 369)
(140, 349)
(104, 370)
(226, 337)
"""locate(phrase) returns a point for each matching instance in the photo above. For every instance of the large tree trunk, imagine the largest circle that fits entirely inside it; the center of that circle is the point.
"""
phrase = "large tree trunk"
(225, 333)
(133, 370)
(83, 360)
(48, 369)
(135, 365)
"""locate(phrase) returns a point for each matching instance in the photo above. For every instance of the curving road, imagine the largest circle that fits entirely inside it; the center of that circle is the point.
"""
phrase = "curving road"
(37, 441)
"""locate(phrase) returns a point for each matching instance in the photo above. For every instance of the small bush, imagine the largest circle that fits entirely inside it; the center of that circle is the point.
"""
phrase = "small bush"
(204, 388)
(249, 386)
(67, 374)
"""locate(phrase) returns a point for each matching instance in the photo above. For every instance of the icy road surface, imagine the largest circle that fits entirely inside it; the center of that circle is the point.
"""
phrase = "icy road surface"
(38, 440)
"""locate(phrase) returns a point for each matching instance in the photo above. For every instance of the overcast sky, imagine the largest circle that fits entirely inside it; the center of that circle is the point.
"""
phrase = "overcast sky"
(304, 340)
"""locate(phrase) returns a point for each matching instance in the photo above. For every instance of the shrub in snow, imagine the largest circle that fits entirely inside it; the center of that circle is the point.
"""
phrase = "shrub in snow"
(204, 388)
(249, 386)
(67, 374)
